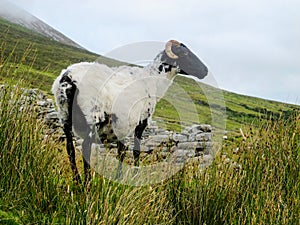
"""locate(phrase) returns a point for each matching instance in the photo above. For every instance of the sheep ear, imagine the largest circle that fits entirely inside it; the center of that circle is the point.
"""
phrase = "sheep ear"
(181, 50)
(175, 49)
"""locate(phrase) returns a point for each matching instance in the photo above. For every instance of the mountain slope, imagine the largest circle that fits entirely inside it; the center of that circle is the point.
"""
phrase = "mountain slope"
(38, 60)
(14, 14)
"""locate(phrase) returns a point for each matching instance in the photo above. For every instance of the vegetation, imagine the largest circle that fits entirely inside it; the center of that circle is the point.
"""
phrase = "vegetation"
(257, 185)
(253, 180)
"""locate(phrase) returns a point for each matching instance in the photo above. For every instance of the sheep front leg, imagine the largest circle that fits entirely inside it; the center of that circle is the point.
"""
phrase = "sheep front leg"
(121, 156)
(138, 132)
(86, 153)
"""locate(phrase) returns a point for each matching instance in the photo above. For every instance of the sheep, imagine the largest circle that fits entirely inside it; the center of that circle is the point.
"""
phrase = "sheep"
(97, 102)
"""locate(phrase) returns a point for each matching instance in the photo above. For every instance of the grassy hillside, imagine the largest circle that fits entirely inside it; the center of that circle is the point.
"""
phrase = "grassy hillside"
(39, 60)
(239, 109)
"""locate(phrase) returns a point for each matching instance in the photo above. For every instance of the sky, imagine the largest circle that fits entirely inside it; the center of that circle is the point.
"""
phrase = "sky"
(250, 47)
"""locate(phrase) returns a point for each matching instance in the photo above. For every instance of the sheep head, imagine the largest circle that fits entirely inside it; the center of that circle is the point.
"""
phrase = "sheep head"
(178, 55)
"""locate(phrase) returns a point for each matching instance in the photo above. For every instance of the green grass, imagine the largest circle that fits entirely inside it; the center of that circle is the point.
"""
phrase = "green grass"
(36, 184)
(263, 188)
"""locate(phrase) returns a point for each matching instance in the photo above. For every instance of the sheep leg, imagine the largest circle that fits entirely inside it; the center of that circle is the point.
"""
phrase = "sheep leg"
(67, 91)
(121, 156)
(86, 153)
(71, 152)
(138, 132)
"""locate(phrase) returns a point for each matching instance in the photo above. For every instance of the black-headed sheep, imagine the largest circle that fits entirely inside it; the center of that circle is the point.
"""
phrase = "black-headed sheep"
(102, 103)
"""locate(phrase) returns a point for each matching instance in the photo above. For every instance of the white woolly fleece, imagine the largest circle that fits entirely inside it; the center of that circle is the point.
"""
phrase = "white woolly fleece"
(130, 93)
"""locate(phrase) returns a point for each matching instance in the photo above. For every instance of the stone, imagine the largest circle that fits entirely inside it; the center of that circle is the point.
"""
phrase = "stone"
(205, 127)
(42, 103)
(51, 110)
(195, 128)
(193, 145)
(159, 138)
(173, 149)
(207, 158)
(151, 144)
(187, 145)
(201, 127)
(179, 137)
(204, 137)
(51, 116)
(179, 156)
(190, 153)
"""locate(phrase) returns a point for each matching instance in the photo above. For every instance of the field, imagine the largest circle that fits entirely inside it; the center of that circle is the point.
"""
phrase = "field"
(253, 179)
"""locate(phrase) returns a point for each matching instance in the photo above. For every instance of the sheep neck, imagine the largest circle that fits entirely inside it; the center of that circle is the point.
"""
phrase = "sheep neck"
(159, 68)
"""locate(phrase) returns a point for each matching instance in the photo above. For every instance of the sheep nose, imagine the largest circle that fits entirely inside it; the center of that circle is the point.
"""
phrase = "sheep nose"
(190, 64)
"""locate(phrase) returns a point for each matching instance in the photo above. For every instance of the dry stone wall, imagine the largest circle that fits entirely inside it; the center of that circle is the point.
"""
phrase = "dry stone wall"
(193, 141)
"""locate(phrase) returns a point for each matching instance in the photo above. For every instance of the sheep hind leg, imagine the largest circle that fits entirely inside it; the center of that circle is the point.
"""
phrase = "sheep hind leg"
(71, 152)
(67, 90)
(138, 132)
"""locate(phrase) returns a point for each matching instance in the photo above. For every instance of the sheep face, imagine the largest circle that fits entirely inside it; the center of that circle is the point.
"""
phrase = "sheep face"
(179, 56)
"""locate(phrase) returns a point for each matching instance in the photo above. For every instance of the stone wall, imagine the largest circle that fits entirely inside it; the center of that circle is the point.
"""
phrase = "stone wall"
(193, 141)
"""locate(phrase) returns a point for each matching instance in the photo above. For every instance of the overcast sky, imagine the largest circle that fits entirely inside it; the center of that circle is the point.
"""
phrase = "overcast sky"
(251, 47)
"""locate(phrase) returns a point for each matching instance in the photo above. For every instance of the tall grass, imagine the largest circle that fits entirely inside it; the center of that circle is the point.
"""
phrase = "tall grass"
(258, 184)
(34, 190)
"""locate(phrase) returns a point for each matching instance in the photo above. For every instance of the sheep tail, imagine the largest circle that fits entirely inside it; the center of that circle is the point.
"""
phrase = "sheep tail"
(64, 89)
